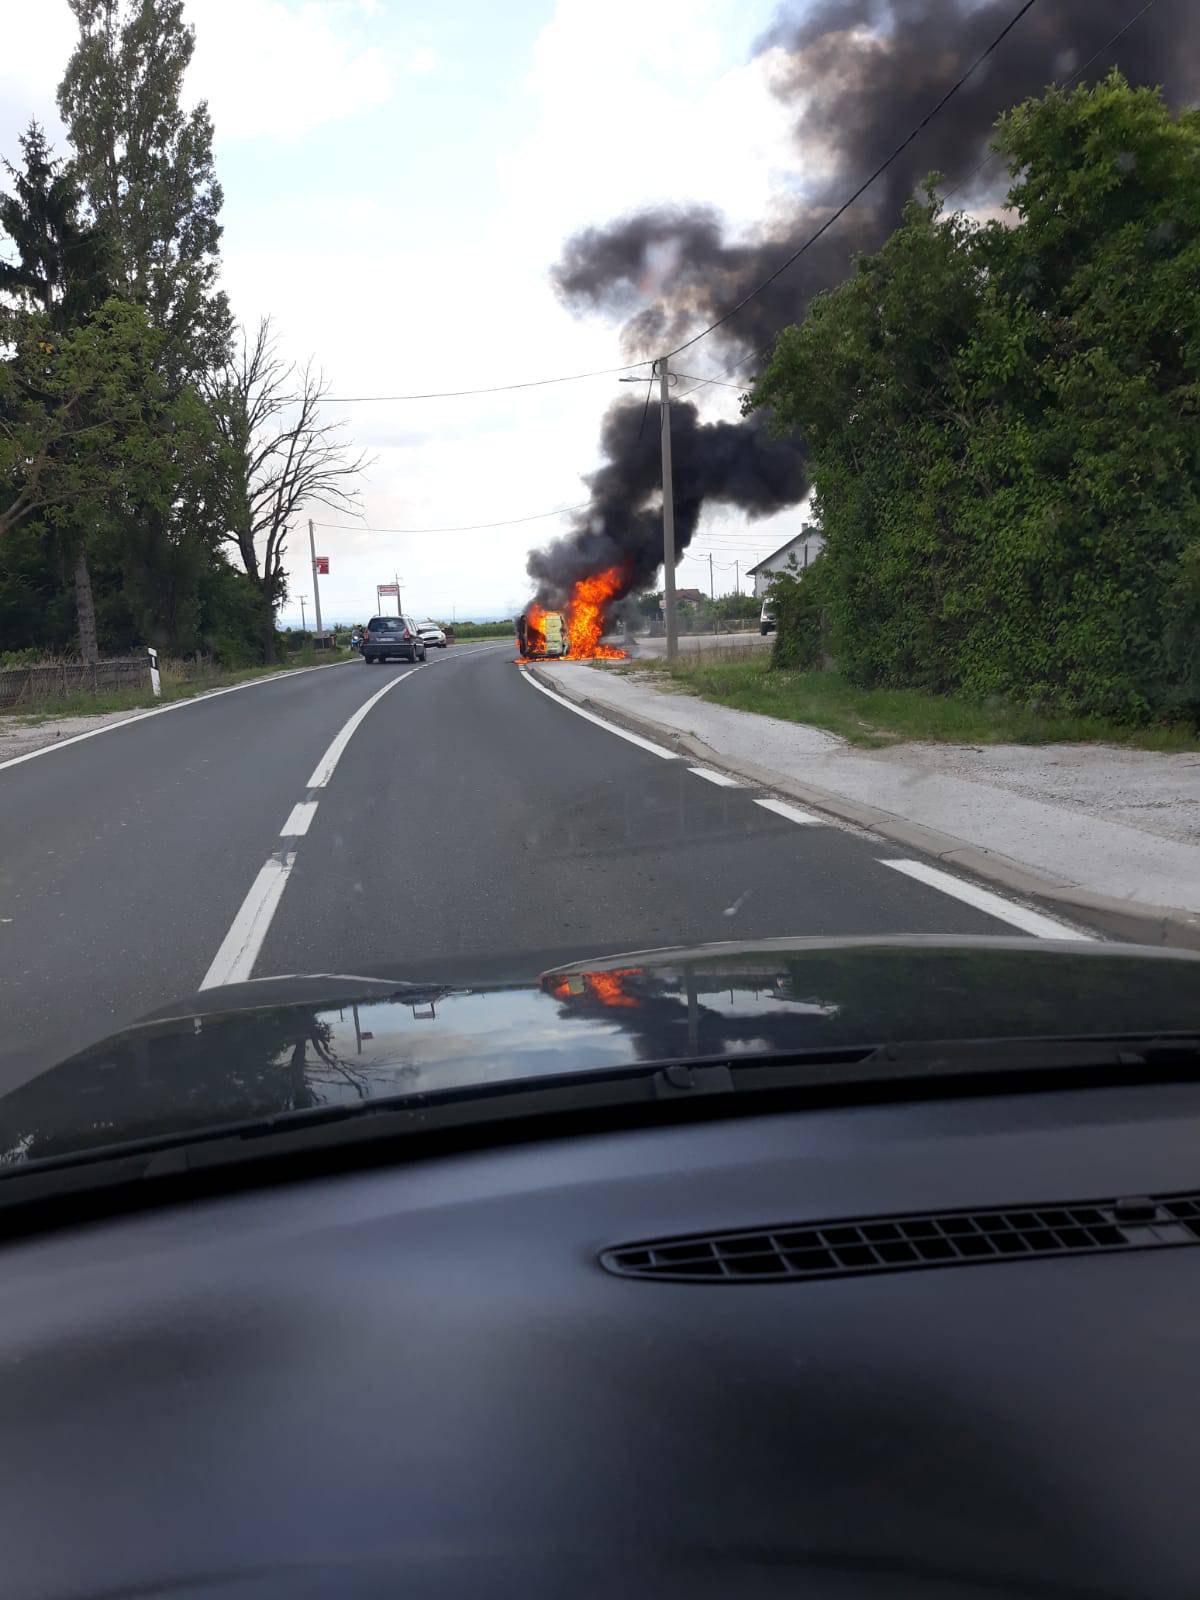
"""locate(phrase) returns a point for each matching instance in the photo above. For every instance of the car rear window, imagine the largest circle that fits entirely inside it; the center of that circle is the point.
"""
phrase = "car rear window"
(384, 624)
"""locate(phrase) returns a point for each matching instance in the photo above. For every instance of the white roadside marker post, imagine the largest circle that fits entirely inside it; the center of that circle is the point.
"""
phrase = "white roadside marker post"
(155, 680)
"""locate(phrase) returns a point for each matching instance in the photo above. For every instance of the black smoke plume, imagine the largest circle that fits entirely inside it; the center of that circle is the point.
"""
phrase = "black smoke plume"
(733, 462)
(860, 74)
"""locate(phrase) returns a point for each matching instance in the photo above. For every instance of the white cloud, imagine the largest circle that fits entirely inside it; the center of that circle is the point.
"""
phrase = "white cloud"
(423, 61)
(605, 81)
(277, 70)
(647, 102)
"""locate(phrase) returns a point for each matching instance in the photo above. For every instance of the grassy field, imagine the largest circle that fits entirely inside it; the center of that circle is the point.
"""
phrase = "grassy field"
(872, 718)
(466, 631)
(175, 686)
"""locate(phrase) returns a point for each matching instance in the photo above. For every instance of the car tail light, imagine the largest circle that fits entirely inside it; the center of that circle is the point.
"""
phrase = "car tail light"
(407, 635)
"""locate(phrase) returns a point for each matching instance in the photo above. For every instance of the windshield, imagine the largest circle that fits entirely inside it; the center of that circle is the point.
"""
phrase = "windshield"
(807, 517)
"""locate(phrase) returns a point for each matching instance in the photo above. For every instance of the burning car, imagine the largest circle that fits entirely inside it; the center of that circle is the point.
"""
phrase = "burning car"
(541, 634)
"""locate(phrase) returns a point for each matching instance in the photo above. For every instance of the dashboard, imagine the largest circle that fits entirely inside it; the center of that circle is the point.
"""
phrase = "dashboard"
(422, 1379)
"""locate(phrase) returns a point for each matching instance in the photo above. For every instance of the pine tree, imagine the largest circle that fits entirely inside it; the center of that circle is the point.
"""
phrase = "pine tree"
(63, 260)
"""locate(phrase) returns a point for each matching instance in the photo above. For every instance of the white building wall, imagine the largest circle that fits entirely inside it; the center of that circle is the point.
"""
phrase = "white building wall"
(804, 550)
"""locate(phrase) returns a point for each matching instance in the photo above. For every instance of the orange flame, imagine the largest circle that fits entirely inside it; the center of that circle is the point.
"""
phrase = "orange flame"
(535, 618)
(586, 612)
(607, 987)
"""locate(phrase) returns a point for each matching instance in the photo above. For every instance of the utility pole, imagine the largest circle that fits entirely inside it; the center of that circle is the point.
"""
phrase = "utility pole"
(737, 578)
(303, 618)
(668, 509)
(399, 607)
(662, 369)
(312, 550)
(711, 593)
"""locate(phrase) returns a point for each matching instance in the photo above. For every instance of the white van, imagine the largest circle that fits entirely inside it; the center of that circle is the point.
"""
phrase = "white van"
(766, 622)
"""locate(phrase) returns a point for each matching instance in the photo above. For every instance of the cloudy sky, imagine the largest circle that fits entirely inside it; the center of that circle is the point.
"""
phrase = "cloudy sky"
(399, 178)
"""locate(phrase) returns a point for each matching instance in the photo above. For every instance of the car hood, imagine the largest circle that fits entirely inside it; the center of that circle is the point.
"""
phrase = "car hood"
(283, 1045)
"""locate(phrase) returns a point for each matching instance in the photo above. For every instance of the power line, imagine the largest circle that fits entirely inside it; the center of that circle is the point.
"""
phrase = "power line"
(862, 188)
(701, 380)
(646, 407)
(1066, 83)
(468, 527)
(496, 388)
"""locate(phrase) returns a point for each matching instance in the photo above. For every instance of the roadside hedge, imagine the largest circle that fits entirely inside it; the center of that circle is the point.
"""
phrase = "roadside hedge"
(1003, 426)
(801, 625)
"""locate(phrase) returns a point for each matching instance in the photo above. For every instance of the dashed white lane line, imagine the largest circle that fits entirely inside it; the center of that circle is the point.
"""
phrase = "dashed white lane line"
(609, 727)
(234, 961)
(721, 778)
(781, 808)
(299, 819)
(323, 770)
(983, 900)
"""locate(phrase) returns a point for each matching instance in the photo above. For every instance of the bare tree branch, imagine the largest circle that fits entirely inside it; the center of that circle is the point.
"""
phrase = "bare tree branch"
(281, 457)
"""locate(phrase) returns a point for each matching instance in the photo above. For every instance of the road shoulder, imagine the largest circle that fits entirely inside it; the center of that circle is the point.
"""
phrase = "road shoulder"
(1131, 883)
(20, 739)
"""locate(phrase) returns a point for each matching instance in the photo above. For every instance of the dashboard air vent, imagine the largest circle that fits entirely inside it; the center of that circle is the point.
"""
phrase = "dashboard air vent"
(862, 1245)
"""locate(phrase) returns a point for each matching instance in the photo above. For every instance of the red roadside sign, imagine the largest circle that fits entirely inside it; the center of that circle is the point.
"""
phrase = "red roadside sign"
(321, 563)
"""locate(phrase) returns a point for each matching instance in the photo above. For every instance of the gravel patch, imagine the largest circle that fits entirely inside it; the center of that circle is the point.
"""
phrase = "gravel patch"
(19, 738)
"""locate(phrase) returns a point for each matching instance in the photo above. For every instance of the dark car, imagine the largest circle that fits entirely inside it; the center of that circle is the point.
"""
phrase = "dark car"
(397, 637)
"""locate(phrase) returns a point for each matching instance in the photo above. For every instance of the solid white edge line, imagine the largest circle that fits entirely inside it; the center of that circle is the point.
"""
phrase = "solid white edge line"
(609, 727)
(994, 905)
(159, 711)
(792, 813)
(235, 959)
(721, 778)
(324, 768)
(299, 819)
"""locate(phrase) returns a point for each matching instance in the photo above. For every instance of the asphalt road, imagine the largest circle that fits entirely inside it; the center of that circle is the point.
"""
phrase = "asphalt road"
(466, 818)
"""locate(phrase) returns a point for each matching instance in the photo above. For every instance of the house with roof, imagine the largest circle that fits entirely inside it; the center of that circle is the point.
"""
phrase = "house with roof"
(798, 553)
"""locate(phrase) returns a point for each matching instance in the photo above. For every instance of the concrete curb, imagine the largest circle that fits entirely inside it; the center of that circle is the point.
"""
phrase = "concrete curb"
(1130, 920)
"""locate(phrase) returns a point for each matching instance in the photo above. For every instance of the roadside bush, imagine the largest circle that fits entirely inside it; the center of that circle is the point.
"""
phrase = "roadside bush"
(799, 602)
(230, 616)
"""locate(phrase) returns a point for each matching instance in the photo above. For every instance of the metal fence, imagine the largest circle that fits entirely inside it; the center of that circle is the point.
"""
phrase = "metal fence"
(56, 680)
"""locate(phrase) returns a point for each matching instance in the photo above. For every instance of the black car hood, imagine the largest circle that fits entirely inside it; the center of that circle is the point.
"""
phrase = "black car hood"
(286, 1045)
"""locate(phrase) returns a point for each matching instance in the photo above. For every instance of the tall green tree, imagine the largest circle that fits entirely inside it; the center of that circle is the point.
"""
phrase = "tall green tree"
(146, 166)
(92, 437)
(60, 276)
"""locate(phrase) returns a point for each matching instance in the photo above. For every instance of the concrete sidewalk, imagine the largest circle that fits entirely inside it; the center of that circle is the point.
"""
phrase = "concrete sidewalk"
(1111, 832)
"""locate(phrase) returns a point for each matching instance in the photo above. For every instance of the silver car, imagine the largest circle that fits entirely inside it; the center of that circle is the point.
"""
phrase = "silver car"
(432, 635)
